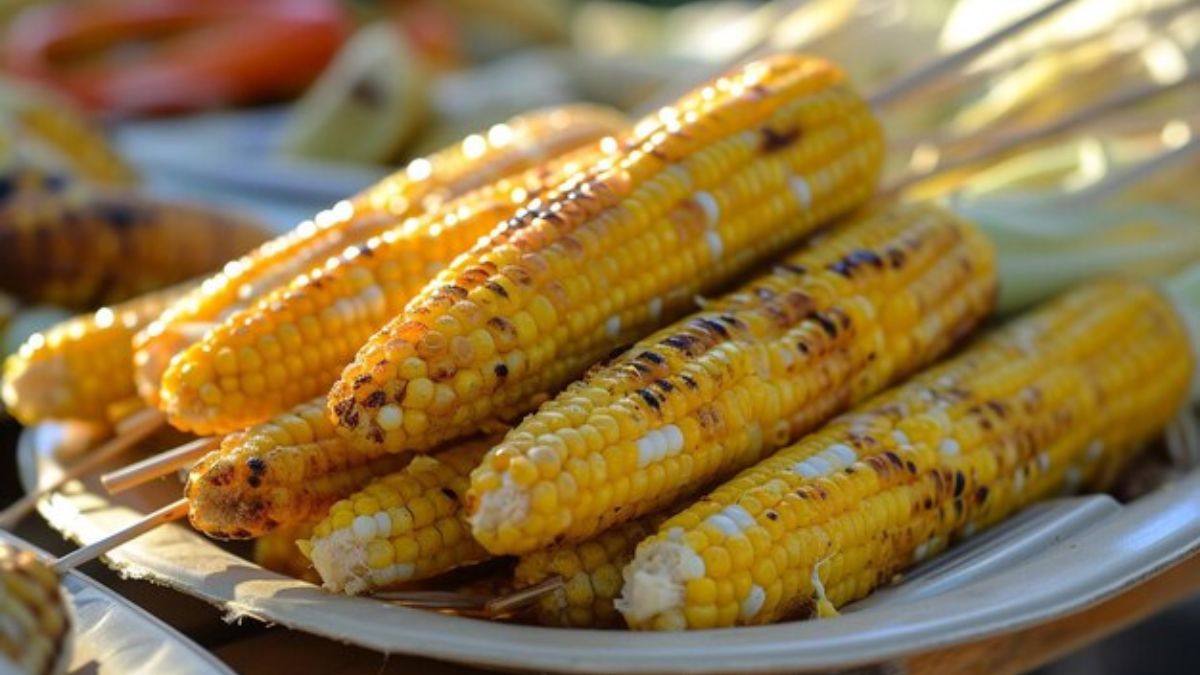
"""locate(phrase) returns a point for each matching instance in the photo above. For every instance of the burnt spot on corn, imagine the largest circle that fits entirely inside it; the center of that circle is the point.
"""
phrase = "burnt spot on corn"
(981, 495)
(773, 140)
(362, 380)
(664, 385)
(375, 434)
(650, 399)
(895, 257)
(343, 408)
(772, 515)
(826, 324)
(496, 288)
(798, 270)
(377, 399)
(451, 494)
(501, 370)
(691, 383)
(682, 342)
(652, 357)
(710, 326)
(960, 482)
(503, 327)
(256, 465)
(254, 481)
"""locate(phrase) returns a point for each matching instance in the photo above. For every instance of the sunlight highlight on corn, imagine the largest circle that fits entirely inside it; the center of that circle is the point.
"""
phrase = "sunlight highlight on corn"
(424, 186)
(833, 323)
(401, 528)
(78, 369)
(291, 344)
(1055, 401)
(694, 195)
(279, 473)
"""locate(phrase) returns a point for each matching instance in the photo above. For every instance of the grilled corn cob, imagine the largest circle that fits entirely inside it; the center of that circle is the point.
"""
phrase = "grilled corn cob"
(591, 575)
(403, 527)
(78, 369)
(278, 552)
(423, 187)
(699, 400)
(1055, 401)
(291, 344)
(283, 472)
(35, 626)
(696, 194)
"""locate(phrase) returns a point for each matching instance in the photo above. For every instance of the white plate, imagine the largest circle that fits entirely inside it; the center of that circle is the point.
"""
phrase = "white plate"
(1054, 560)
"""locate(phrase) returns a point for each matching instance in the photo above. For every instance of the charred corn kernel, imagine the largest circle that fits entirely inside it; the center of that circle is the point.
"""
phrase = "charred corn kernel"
(78, 369)
(725, 387)
(277, 551)
(401, 528)
(280, 473)
(694, 195)
(85, 249)
(591, 574)
(424, 187)
(1056, 400)
(33, 611)
(331, 311)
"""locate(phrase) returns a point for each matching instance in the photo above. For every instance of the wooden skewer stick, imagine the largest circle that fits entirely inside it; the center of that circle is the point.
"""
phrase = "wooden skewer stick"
(507, 604)
(1134, 174)
(916, 80)
(473, 604)
(1006, 142)
(169, 513)
(159, 465)
(132, 430)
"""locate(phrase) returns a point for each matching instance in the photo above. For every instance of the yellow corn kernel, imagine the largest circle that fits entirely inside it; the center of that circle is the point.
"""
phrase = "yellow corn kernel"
(691, 197)
(426, 186)
(421, 536)
(761, 366)
(1057, 400)
(78, 369)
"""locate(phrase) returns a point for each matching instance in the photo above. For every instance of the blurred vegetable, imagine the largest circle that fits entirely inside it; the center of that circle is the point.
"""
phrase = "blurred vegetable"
(193, 53)
(365, 105)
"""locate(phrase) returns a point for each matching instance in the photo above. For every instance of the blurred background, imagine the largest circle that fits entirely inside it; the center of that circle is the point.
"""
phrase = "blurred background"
(246, 118)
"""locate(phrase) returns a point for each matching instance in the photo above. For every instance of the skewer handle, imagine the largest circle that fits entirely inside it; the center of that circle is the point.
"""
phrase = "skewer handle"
(136, 428)
(169, 513)
(157, 466)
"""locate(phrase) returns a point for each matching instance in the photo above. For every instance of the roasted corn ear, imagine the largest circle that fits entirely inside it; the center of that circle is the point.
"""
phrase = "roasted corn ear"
(695, 402)
(425, 186)
(699, 192)
(82, 367)
(36, 632)
(279, 473)
(401, 528)
(291, 344)
(277, 551)
(85, 249)
(1054, 401)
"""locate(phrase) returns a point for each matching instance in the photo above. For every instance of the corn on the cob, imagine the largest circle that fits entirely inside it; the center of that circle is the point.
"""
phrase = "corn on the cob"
(1054, 401)
(425, 186)
(83, 249)
(291, 344)
(734, 172)
(835, 322)
(403, 527)
(35, 625)
(283, 472)
(78, 369)
(591, 574)
(278, 552)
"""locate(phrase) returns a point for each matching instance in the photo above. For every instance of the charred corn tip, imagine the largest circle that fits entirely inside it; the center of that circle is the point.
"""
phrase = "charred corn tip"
(692, 197)
(79, 368)
(282, 472)
(404, 527)
(876, 298)
(1053, 402)
(34, 614)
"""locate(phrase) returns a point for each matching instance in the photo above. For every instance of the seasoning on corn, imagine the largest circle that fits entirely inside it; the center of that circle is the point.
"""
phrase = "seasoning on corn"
(403, 527)
(291, 344)
(283, 472)
(425, 186)
(1052, 402)
(591, 574)
(80, 368)
(697, 401)
(278, 552)
(35, 624)
(81, 248)
(698, 193)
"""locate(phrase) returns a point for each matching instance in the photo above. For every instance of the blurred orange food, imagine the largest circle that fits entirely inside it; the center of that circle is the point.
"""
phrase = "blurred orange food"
(152, 56)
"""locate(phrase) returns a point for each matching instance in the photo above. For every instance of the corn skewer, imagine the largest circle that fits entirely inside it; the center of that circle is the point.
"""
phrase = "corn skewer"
(37, 635)
(1011, 420)
(242, 371)
(529, 291)
(423, 187)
